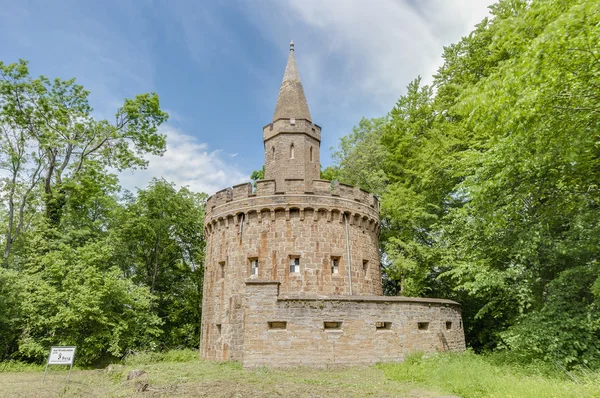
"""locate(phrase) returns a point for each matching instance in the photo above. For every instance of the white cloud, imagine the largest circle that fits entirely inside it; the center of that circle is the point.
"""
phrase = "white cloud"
(349, 49)
(187, 162)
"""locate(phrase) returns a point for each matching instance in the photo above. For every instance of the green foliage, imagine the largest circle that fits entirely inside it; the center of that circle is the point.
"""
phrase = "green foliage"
(10, 311)
(473, 376)
(161, 245)
(359, 157)
(490, 181)
(570, 318)
(82, 265)
(48, 138)
(148, 357)
(257, 175)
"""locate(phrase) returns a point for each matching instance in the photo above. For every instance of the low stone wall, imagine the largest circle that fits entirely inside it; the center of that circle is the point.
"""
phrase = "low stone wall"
(285, 331)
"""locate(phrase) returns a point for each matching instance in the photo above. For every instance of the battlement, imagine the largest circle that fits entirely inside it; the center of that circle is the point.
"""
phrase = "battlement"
(291, 126)
(292, 186)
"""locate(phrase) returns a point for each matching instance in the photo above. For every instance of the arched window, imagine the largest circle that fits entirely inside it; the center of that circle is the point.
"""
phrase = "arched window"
(311, 158)
(292, 151)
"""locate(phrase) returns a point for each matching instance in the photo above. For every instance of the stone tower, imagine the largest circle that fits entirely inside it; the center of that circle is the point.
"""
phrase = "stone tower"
(292, 141)
(297, 240)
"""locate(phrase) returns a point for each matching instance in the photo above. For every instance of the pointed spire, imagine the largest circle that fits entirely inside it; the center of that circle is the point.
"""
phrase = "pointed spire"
(291, 102)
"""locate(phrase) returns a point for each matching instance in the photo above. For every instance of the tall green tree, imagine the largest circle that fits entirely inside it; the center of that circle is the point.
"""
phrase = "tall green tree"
(161, 245)
(491, 181)
(48, 136)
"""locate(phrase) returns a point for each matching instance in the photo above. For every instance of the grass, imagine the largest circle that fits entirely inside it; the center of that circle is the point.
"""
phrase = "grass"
(472, 376)
(181, 373)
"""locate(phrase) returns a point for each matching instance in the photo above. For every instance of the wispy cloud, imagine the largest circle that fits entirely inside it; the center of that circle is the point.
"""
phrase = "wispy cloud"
(187, 162)
(349, 49)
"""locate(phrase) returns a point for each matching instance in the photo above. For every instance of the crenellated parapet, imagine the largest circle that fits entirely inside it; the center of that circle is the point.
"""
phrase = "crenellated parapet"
(291, 126)
(333, 202)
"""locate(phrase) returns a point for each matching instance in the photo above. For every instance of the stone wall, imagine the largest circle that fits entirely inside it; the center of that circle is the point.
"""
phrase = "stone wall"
(279, 137)
(273, 225)
(289, 330)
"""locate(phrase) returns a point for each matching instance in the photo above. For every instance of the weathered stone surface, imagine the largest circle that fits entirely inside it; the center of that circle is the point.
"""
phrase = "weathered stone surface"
(306, 342)
(295, 215)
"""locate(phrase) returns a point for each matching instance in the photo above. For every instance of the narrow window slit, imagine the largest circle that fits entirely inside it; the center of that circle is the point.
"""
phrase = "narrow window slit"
(335, 265)
(253, 267)
(383, 325)
(222, 264)
(329, 325)
(277, 325)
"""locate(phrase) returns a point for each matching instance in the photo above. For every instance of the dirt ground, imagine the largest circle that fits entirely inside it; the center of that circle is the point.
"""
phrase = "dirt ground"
(208, 379)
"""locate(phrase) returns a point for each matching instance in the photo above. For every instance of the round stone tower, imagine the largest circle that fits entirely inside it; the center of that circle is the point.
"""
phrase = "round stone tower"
(312, 236)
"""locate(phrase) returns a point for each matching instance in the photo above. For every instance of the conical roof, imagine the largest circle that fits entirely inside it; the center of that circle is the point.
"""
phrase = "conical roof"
(291, 102)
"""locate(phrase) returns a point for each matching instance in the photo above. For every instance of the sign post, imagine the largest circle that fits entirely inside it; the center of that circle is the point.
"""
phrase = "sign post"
(61, 356)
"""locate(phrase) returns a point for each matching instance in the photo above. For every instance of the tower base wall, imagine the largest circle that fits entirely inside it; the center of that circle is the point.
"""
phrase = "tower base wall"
(324, 331)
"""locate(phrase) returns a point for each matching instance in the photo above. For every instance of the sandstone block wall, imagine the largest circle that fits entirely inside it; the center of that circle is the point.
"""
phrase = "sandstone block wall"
(406, 325)
(273, 225)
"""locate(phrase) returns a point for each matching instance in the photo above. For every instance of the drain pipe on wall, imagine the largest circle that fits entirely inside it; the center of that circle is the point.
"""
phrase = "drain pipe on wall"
(349, 257)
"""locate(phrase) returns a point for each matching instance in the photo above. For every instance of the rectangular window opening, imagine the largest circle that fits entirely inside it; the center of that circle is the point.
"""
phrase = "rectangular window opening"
(383, 325)
(448, 325)
(278, 325)
(423, 325)
(219, 328)
(253, 267)
(329, 325)
(335, 265)
(294, 264)
(365, 266)
(222, 264)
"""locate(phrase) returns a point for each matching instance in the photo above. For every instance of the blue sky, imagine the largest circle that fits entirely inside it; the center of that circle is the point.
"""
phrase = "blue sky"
(217, 65)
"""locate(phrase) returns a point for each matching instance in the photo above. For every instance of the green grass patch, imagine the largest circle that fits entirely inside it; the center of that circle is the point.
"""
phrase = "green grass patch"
(18, 366)
(473, 376)
(148, 357)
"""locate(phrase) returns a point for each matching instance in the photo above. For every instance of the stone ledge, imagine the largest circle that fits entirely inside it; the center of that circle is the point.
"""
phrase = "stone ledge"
(262, 282)
(363, 299)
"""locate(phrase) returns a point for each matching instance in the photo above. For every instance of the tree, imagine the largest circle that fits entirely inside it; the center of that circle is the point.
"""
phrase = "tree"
(49, 136)
(491, 173)
(161, 245)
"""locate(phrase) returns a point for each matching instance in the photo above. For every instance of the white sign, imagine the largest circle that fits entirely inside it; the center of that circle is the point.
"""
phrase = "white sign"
(61, 356)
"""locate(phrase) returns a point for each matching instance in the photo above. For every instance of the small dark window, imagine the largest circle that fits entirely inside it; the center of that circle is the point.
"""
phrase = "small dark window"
(294, 264)
(332, 325)
(219, 328)
(311, 155)
(292, 151)
(383, 325)
(277, 325)
(423, 325)
(365, 266)
(448, 325)
(222, 264)
(335, 265)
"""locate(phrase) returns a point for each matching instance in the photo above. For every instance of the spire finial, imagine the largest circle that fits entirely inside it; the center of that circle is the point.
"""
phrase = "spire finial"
(291, 102)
